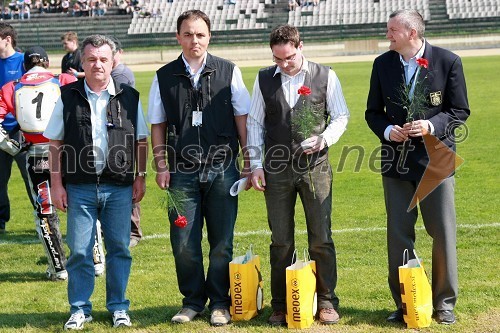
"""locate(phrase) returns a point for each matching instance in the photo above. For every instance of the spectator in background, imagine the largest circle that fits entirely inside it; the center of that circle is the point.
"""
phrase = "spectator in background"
(122, 7)
(85, 8)
(77, 10)
(102, 8)
(65, 6)
(27, 13)
(45, 7)
(71, 62)
(123, 74)
(6, 13)
(11, 68)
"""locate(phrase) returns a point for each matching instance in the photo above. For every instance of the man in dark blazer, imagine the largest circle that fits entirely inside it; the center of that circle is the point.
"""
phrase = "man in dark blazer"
(445, 107)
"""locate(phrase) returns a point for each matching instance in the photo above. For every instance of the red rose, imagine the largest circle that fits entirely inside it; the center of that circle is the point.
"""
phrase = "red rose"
(181, 221)
(423, 62)
(304, 91)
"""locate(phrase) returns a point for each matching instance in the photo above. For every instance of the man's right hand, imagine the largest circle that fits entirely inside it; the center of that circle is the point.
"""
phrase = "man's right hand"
(59, 197)
(163, 179)
(258, 180)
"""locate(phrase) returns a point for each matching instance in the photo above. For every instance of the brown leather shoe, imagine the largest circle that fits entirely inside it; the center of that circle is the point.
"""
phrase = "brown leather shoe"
(277, 318)
(328, 316)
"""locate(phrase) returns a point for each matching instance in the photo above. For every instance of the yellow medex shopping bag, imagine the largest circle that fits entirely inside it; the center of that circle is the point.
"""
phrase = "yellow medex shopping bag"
(416, 293)
(246, 286)
(301, 302)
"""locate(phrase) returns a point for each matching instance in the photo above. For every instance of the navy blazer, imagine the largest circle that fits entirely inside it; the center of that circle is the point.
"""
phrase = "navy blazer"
(446, 108)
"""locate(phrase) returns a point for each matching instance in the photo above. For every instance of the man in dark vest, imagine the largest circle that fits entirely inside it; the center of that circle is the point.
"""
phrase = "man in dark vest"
(98, 142)
(284, 97)
(198, 107)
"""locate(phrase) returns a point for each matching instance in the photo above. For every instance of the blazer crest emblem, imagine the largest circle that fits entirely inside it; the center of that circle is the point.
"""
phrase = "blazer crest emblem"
(436, 98)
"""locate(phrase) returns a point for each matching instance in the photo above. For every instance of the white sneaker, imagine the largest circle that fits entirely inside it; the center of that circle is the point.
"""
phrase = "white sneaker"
(56, 276)
(76, 321)
(121, 318)
(184, 315)
(220, 317)
(99, 269)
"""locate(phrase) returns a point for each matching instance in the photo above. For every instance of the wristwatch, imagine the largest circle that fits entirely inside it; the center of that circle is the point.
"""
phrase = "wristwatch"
(141, 174)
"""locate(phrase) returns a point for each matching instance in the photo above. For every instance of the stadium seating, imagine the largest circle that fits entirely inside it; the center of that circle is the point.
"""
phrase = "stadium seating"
(244, 14)
(462, 9)
(333, 12)
(252, 14)
(250, 21)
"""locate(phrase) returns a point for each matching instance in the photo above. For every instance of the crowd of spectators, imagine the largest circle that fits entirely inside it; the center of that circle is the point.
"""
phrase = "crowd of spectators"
(137, 8)
(292, 4)
(20, 9)
(23, 9)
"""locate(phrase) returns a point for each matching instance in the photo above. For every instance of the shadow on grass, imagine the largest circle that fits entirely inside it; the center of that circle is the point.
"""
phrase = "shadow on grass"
(160, 315)
(26, 237)
(140, 318)
(354, 317)
(22, 277)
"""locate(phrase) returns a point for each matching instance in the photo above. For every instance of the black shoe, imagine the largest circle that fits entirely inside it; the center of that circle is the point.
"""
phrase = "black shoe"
(396, 316)
(445, 317)
(277, 318)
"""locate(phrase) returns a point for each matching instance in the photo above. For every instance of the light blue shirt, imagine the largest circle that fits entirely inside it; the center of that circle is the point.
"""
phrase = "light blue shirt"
(411, 66)
(98, 103)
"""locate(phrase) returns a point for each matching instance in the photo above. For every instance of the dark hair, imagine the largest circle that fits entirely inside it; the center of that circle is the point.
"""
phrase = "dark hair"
(411, 19)
(98, 41)
(35, 61)
(7, 30)
(284, 34)
(192, 14)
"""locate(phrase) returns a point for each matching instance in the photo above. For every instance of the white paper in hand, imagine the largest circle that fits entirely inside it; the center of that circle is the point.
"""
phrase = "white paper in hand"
(308, 143)
(238, 186)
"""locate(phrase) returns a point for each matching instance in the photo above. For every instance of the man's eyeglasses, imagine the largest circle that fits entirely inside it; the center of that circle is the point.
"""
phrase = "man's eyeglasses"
(287, 59)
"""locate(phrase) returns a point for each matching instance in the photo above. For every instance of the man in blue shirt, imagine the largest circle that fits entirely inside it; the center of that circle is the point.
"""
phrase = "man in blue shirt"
(11, 68)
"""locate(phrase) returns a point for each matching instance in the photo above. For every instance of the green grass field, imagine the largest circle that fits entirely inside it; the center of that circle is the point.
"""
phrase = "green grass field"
(30, 303)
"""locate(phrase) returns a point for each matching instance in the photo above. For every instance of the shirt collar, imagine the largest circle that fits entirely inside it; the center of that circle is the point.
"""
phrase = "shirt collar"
(188, 68)
(304, 68)
(110, 88)
(419, 54)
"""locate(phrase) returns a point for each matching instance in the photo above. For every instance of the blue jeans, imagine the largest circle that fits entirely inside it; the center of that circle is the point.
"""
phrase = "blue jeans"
(111, 204)
(208, 200)
(281, 194)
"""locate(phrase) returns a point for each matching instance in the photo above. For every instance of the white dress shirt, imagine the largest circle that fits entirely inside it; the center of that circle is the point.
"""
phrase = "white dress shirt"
(335, 104)
(240, 98)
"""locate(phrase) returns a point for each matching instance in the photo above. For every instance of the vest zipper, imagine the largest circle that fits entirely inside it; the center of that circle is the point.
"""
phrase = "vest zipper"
(119, 113)
(208, 92)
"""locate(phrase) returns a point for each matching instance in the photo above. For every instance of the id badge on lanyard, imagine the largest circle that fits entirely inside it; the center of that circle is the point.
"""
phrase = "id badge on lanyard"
(197, 118)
